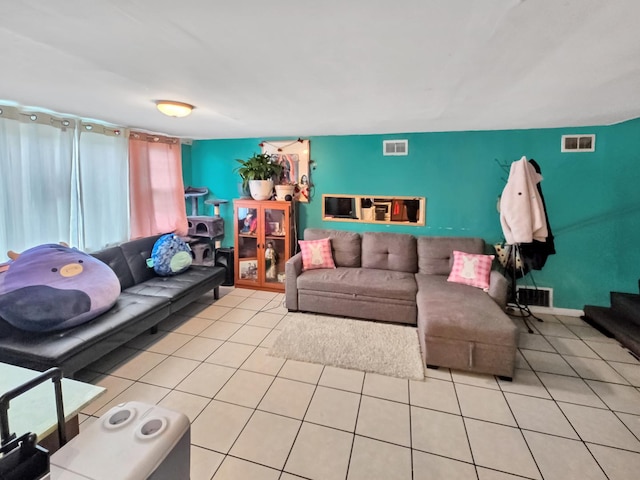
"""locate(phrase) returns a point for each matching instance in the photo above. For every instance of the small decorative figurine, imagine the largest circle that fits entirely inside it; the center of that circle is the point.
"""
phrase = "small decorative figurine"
(250, 223)
(271, 262)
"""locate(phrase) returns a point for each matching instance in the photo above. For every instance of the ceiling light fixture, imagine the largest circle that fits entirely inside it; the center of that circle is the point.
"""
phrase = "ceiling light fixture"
(174, 109)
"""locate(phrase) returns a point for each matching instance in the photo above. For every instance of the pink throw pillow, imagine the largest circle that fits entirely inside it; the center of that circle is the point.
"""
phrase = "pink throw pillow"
(316, 254)
(471, 269)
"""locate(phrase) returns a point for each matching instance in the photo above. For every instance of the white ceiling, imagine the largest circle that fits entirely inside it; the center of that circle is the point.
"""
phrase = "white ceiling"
(281, 68)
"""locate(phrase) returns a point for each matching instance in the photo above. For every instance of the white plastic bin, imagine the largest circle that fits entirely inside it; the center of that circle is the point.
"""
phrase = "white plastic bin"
(132, 441)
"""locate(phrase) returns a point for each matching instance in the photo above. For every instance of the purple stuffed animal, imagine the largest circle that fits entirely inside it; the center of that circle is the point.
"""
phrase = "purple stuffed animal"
(52, 287)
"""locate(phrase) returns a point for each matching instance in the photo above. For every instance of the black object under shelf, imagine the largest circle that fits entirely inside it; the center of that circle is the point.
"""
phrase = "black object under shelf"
(621, 320)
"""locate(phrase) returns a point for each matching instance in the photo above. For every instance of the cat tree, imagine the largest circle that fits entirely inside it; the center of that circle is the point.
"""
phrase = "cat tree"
(205, 232)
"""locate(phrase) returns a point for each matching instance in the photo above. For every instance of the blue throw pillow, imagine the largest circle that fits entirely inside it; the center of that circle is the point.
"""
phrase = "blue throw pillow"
(170, 255)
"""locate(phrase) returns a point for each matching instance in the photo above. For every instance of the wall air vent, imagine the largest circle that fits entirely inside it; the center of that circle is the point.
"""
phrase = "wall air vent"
(578, 143)
(395, 147)
(538, 297)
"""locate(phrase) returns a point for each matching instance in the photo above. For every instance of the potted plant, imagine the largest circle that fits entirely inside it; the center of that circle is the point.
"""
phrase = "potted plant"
(258, 173)
(285, 188)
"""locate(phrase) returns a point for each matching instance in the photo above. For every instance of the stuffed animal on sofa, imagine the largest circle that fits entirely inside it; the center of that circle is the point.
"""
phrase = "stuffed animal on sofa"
(52, 287)
(170, 255)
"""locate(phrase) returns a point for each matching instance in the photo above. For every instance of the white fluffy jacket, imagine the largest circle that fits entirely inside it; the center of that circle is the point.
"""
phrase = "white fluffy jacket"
(521, 210)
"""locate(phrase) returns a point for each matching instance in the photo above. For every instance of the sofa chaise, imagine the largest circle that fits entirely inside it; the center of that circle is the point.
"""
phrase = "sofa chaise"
(401, 278)
(144, 301)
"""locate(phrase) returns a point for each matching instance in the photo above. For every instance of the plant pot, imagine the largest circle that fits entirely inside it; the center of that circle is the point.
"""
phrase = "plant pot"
(243, 191)
(261, 189)
(283, 190)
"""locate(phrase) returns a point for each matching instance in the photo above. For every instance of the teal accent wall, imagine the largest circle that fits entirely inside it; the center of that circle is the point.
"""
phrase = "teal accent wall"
(213, 162)
(593, 199)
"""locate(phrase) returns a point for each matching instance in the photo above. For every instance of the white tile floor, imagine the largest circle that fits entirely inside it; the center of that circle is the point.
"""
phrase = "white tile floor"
(571, 412)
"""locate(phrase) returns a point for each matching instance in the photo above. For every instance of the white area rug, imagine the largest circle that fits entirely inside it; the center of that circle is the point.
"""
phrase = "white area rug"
(356, 344)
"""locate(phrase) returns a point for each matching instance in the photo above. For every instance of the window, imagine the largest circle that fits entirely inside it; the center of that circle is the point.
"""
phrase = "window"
(36, 180)
(104, 188)
(155, 182)
(66, 180)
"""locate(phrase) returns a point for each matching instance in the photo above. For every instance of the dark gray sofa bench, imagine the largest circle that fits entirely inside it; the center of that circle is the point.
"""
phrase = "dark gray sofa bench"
(144, 301)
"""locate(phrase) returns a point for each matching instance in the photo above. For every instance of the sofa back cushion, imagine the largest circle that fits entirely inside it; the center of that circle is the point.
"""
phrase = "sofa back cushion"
(136, 252)
(345, 246)
(434, 253)
(389, 251)
(114, 257)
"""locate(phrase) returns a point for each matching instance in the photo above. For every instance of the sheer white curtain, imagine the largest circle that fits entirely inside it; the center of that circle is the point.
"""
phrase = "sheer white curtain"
(103, 200)
(61, 180)
(36, 186)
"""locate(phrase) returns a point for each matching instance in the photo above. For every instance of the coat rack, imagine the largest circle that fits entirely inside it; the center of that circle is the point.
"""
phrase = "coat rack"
(516, 257)
(512, 270)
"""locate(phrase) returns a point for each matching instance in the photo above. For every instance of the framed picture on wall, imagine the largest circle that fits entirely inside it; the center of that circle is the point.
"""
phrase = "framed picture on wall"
(293, 155)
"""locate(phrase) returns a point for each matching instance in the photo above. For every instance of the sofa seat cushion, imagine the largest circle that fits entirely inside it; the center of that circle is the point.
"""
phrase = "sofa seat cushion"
(56, 347)
(461, 312)
(368, 282)
(176, 286)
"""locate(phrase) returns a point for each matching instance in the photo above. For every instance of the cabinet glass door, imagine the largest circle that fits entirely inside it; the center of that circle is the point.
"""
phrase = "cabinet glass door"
(248, 244)
(275, 255)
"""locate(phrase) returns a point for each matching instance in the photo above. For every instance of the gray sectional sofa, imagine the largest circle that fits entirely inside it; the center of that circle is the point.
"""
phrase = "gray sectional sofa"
(144, 301)
(401, 278)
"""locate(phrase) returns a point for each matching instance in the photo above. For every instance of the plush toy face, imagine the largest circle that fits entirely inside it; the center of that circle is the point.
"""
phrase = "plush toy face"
(51, 287)
(170, 255)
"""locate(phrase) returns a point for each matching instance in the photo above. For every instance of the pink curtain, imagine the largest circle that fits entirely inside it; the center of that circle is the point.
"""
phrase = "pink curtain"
(156, 188)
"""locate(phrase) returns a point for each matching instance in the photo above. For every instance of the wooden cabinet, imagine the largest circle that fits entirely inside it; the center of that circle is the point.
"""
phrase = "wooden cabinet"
(264, 241)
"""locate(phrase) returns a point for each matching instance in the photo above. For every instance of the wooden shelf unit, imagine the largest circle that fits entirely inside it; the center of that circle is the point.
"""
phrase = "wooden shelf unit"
(264, 241)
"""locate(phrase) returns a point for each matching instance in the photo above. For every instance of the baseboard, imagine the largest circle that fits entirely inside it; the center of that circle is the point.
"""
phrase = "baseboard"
(567, 312)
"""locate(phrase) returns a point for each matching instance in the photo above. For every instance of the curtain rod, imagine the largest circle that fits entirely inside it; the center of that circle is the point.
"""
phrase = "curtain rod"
(154, 138)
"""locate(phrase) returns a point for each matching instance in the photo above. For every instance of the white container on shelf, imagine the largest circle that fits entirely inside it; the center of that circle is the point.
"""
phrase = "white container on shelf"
(132, 441)
(283, 190)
